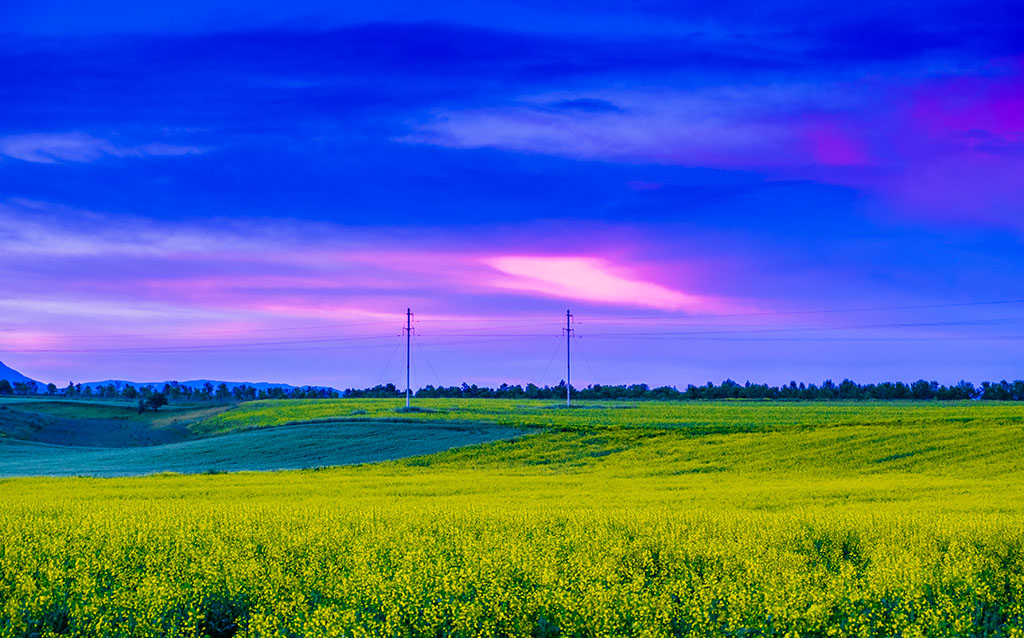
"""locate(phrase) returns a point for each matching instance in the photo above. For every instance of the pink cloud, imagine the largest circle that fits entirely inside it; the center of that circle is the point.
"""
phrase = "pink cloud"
(586, 279)
(251, 285)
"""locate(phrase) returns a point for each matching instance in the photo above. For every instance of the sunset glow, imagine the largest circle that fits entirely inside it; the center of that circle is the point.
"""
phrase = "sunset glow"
(586, 279)
(714, 192)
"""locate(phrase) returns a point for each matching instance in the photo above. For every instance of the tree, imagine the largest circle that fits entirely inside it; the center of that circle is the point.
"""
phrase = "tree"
(51, 388)
(924, 390)
(848, 390)
(5, 387)
(156, 400)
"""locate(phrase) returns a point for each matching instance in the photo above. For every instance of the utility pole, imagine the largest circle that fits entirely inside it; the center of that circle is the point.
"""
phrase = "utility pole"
(568, 359)
(408, 352)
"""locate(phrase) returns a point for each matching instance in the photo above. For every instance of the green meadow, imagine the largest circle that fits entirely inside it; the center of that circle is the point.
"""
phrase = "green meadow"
(642, 519)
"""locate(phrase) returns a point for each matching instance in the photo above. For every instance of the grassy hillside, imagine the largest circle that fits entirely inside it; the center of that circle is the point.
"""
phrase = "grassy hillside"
(99, 423)
(289, 447)
(702, 416)
(711, 519)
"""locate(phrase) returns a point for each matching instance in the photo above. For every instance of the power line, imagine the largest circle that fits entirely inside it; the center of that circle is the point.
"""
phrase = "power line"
(745, 330)
(539, 320)
(820, 311)
(493, 336)
(429, 365)
(543, 375)
(210, 333)
(579, 349)
(490, 334)
(482, 335)
(383, 372)
(202, 347)
(761, 339)
(438, 344)
(468, 331)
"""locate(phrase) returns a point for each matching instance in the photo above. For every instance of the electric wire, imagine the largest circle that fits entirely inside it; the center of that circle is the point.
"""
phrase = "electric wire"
(203, 347)
(558, 347)
(427, 360)
(480, 335)
(593, 375)
(380, 377)
(820, 311)
(213, 332)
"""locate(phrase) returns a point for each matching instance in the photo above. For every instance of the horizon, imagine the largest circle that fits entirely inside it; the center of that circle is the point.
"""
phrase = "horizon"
(251, 191)
(119, 384)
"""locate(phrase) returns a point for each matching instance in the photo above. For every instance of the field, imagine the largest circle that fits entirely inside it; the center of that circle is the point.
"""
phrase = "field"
(98, 423)
(655, 519)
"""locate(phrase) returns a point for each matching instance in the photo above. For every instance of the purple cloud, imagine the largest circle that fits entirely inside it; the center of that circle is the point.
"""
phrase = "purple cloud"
(950, 146)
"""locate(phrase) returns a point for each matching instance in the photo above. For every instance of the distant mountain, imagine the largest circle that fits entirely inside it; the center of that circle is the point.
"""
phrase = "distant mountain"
(195, 383)
(13, 376)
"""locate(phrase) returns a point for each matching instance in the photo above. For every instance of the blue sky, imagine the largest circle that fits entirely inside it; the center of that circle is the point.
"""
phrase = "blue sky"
(259, 190)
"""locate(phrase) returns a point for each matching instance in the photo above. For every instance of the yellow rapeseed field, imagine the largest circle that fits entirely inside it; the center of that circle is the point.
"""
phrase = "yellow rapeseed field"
(716, 519)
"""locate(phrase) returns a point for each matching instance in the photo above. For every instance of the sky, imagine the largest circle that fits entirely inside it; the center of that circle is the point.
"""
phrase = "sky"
(758, 191)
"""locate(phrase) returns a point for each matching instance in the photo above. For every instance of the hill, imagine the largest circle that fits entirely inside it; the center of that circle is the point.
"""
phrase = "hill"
(13, 376)
(196, 384)
(98, 425)
(287, 447)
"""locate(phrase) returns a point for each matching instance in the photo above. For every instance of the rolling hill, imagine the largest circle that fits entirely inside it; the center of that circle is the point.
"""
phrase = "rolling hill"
(12, 375)
(195, 384)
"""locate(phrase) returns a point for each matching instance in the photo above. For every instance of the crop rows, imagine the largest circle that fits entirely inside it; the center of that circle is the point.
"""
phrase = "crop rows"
(315, 570)
(875, 523)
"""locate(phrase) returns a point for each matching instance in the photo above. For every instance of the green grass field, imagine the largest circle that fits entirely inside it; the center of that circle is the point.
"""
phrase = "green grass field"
(690, 519)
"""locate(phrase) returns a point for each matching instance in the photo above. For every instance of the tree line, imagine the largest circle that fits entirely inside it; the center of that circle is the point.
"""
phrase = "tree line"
(846, 390)
(173, 391)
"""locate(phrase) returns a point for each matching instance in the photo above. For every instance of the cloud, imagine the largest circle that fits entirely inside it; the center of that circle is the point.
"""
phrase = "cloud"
(586, 105)
(586, 279)
(723, 127)
(44, 230)
(948, 146)
(51, 148)
(129, 269)
(110, 310)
